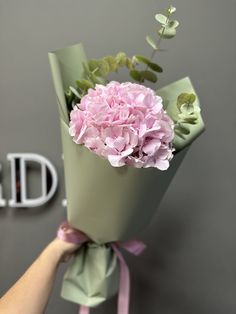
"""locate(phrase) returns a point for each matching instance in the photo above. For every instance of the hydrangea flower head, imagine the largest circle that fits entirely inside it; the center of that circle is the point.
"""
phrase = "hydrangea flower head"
(124, 123)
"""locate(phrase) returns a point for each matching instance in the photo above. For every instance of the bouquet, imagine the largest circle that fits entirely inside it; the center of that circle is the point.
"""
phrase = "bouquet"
(122, 143)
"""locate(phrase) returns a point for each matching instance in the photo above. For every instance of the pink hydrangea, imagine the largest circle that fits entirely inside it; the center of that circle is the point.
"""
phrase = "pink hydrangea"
(124, 123)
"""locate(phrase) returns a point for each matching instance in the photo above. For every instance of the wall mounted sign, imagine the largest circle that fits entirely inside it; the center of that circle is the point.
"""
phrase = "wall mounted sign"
(19, 189)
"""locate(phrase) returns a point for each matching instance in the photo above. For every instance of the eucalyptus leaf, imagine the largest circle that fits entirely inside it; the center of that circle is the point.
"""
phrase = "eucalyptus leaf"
(151, 42)
(111, 61)
(183, 129)
(173, 24)
(95, 79)
(161, 18)
(142, 59)
(185, 98)
(187, 109)
(93, 65)
(74, 91)
(149, 76)
(129, 64)
(155, 67)
(103, 68)
(171, 9)
(84, 84)
(121, 58)
(178, 132)
(136, 75)
(191, 120)
(167, 32)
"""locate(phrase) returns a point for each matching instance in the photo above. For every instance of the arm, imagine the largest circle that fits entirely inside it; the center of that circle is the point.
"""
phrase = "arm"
(31, 292)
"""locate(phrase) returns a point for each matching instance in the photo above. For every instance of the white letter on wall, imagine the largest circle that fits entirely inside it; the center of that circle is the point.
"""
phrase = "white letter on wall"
(18, 180)
(2, 201)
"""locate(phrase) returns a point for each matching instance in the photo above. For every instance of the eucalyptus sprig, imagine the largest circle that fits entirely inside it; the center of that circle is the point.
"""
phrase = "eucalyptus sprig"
(96, 71)
(166, 31)
(189, 113)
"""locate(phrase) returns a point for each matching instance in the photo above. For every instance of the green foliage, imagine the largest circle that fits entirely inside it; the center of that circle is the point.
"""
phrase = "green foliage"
(182, 129)
(149, 76)
(168, 26)
(96, 71)
(111, 61)
(155, 67)
(84, 84)
(161, 18)
(171, 10)
(99, 67)
(130, 63)
(75, 92)
(121, 58)
(136, 75)
(167, 33)
(151, 42)
(188, 113)
(141, 59)
(185, 98)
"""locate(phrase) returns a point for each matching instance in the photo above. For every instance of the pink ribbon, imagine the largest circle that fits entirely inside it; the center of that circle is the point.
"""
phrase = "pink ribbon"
(69, 234)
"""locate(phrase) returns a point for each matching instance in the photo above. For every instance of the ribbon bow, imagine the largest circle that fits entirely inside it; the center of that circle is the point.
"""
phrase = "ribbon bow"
(134, 247)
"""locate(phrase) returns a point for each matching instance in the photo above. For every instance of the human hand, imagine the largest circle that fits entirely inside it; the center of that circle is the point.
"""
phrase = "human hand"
(64, 250)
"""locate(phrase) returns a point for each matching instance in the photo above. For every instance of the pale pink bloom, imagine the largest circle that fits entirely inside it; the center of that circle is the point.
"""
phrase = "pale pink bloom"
(124, 123)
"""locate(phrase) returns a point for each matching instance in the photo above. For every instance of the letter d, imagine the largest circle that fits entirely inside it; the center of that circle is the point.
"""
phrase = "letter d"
(19, 196)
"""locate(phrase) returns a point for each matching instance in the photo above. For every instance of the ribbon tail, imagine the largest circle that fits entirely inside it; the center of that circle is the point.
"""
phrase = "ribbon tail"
(134, 247)
(84, 309)
(124, 289)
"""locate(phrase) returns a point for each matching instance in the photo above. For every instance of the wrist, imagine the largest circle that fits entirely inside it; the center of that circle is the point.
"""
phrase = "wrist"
(52, 253)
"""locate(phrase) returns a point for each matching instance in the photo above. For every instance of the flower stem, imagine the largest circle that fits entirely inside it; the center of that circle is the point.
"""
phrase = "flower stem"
(159, 40)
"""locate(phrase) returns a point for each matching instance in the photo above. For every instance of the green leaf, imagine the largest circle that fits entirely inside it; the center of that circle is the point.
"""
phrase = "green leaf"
(183, 129)
(171, 9)
(178, 133)
(84, 85)
(191, 120)
(100, 67)
(151, 42)
(187, 109)
(167, 32)
(95, 79)
(129, 64)
(142, 59)
(111, 61)
(161, 18)
(173, 24)
(103, 68)
(136, 75)
(192, 98)
(74, 91)
(121, 58)
(185, 98)
(155, 67)
(93, 65)
(149, 76)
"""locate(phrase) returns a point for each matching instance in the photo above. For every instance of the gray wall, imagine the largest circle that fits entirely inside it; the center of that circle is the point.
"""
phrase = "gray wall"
(190, 264)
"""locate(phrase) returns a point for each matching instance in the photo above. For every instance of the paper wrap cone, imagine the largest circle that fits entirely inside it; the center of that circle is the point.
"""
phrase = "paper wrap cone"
(106, 203)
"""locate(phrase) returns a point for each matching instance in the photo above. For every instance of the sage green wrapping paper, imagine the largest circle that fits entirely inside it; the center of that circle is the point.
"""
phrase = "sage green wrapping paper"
(92, 277)
(106, 203)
